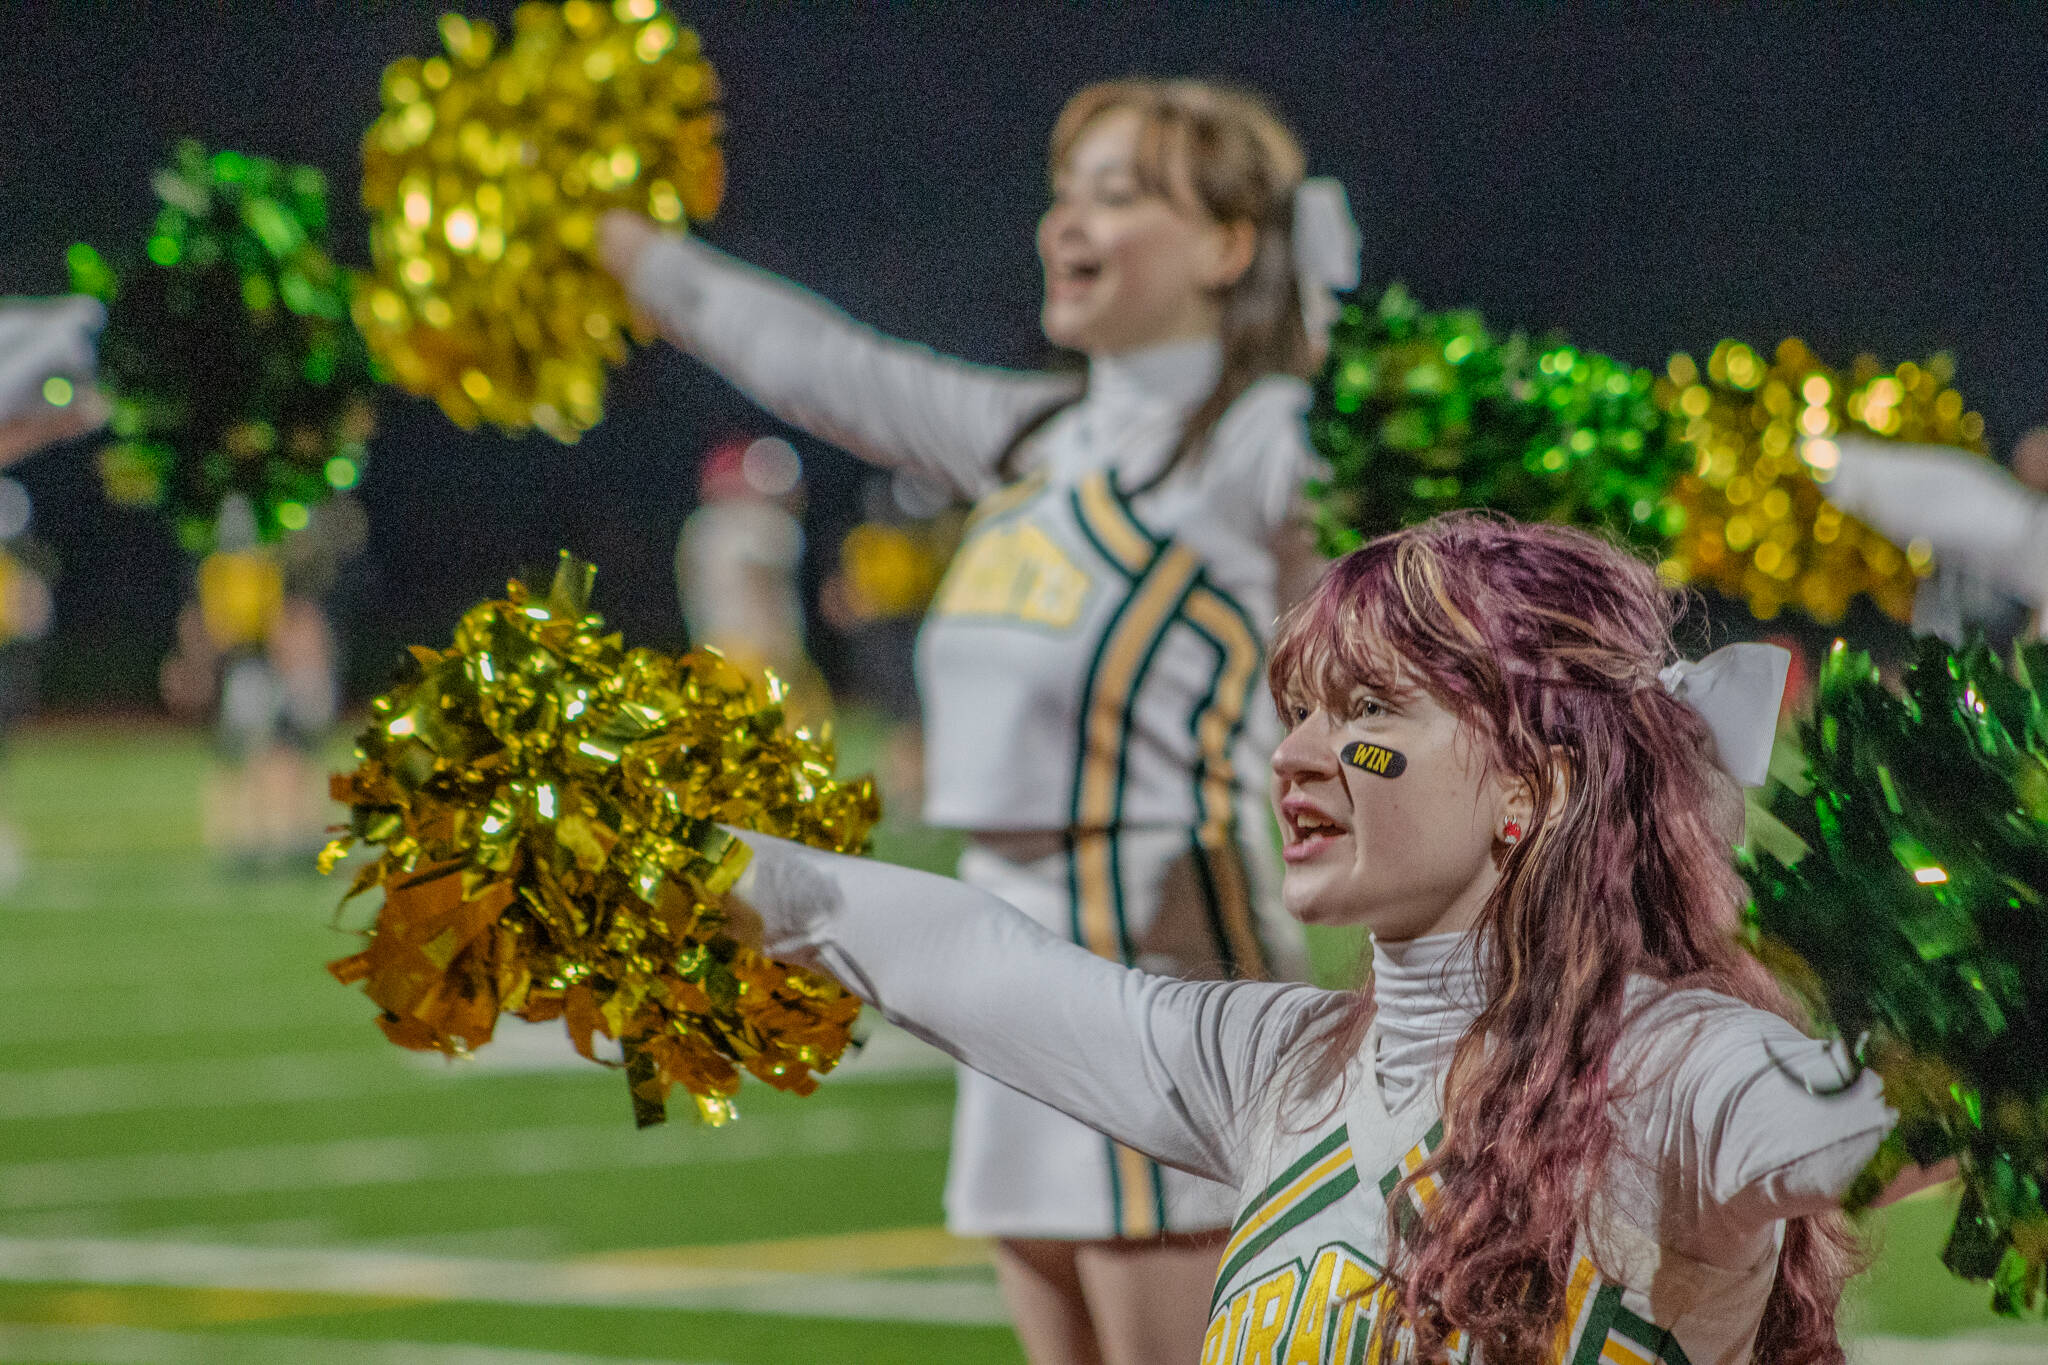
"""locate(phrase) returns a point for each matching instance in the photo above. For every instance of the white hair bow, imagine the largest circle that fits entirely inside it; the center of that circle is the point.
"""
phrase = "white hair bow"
(1737, 690)
(1326, 251)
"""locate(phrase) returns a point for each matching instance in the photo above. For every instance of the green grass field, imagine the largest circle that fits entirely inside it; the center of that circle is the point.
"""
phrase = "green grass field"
(209, 1154)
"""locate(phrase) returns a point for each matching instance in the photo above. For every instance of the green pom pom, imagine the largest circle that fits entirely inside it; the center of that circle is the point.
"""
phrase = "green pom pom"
(1419, 413)
(228, 351)
(1918, 919)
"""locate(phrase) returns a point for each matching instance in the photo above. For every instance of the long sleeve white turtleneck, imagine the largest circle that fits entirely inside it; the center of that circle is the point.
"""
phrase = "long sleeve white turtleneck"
(889, 401)
(1972, 512)
(1426, 992)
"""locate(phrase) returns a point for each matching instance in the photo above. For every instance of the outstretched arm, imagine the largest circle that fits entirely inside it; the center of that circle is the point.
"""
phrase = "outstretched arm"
(1171, 1068)
(1750, 1120)
(1970, 511)
(888, 401)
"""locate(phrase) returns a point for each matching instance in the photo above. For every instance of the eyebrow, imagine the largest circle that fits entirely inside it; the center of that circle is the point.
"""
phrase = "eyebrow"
(1126, 166)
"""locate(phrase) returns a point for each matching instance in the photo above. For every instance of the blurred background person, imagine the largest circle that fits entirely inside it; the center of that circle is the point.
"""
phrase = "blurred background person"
(47, 396)
(737, 562)
(256, 654)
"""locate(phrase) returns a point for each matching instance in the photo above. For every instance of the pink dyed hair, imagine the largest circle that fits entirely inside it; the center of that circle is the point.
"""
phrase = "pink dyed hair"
(1546, 641)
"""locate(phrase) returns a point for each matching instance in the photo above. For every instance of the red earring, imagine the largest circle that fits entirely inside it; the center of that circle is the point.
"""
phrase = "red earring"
(1511, 834)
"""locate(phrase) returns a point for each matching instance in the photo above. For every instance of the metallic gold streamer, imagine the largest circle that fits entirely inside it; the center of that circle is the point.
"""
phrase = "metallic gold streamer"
(485, 177)
(1757, 524)
(548, 804)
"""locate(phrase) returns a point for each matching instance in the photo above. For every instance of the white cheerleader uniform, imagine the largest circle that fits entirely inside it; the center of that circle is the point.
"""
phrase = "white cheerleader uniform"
(1091, 672)
(1722, 1126)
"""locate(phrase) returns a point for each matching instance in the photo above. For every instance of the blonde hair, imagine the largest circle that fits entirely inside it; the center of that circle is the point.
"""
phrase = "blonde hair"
(1230, 151)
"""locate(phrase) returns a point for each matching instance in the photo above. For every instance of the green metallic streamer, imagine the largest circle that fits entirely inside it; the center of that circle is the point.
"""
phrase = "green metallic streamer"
(1418, 412)
(1917, 922)
(229, 353)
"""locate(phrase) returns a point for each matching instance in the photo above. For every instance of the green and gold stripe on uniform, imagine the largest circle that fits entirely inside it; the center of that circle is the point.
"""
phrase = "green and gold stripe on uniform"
(1314, 1182)
(1114, 677)
(1583, 1306)
(1217, 722)
(1632, 1340)
(1598, 1330)
(1107, 521)
(1137, 1190)
(1422, 1191)
(1161, 575)
(1163, 572)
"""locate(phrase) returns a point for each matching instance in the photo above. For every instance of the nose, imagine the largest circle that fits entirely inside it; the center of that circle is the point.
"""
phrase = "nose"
(1062, 220)
(1308, 753)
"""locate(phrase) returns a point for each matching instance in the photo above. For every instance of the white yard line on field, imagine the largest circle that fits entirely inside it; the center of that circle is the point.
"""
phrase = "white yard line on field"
(136, 1346)
(199, 1083)
(1890, 1350)
(357, 1162)
(590, 1282)
(285, 1077)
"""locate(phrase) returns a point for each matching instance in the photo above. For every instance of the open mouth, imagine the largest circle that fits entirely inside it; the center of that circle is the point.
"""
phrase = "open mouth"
(1074, 276)
(1309, 832)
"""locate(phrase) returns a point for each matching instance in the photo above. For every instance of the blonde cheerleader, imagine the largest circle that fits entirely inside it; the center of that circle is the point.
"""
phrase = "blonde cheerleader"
(1089, 666)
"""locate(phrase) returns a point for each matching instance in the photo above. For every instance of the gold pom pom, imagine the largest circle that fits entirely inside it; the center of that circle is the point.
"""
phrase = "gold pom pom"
(548, 805)
(1758, 525)
(485, 177)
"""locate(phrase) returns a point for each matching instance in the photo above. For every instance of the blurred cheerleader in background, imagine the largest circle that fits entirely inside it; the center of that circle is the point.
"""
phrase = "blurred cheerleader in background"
(256, 652)
(47, 395)
(737, 562)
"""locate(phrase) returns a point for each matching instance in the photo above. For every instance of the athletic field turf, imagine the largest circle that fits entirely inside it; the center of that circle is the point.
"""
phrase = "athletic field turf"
(209, 1155)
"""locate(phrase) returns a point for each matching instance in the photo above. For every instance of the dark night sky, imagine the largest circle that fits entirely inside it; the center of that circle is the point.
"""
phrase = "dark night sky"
(1873, 178)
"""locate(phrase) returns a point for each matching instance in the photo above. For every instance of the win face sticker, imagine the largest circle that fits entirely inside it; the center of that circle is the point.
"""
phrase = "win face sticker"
(1374, 758)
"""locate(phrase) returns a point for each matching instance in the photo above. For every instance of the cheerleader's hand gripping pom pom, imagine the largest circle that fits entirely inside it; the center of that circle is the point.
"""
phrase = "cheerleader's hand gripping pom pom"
(1917, 922)
(486, 176)
(228, 354)
(546, 805)
(1418, 413)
